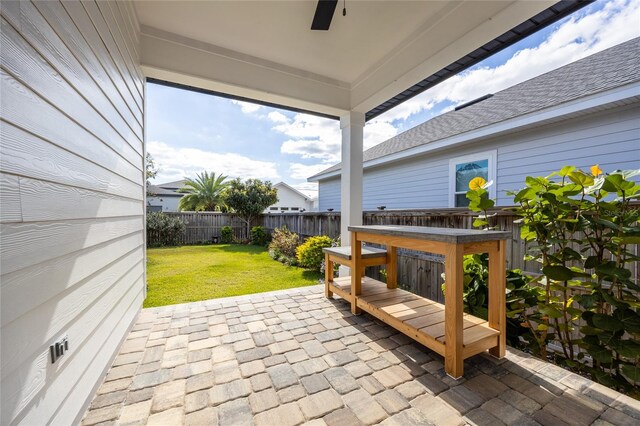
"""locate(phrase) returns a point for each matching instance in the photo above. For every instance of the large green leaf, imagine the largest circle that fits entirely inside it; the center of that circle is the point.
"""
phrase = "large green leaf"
(591, 262)
(600, 353)
(604, 378)
(616, 183)
(628, 348)
(587, 300)
(566, 170)
(558, 272)
(581, 178)
(629, 320)
(550, 310)
(612, 300)
(631, 372)
(611, 269)
(608, 339)
(590, 331)
(607, 322)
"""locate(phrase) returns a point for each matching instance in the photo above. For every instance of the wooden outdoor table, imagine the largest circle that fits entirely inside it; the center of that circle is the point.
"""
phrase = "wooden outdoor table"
(446, 329)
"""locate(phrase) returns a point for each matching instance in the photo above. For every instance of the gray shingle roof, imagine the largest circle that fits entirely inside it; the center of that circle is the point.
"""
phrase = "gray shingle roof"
(611, 68)
(173, 185)
(158, 191)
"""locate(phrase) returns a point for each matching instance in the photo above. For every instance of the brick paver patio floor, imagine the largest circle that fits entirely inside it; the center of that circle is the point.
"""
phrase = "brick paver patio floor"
(294, 357)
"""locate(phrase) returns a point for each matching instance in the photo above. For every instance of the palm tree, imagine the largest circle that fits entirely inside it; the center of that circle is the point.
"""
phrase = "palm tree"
(204, 193)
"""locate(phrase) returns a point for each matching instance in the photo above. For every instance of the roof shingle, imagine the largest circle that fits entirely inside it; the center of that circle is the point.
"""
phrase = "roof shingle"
(606, 70)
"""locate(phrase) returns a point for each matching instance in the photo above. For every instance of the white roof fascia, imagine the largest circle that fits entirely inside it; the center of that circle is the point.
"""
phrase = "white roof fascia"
(516, 123)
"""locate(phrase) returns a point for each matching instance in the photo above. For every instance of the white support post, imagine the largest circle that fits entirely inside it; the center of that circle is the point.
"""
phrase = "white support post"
(352, 125)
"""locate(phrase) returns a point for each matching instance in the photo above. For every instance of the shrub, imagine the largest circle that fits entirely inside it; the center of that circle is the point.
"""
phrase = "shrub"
(164, 230)
(226, 235)
(310, 253)
(259, 236)
(582, 231)
(284, 242)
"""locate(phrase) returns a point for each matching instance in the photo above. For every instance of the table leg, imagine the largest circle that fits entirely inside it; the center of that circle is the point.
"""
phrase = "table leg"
(453, 311)
(497, 297)
(392, 267)
(328, 276)
(356, 272)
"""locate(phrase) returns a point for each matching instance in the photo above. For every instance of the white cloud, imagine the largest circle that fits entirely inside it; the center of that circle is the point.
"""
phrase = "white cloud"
(310, 189)
(377, 131)
(247, 107)
(177, 163)
(277, 117)
(311, 137)
(616, 22)
(303, 171)
(321, 138)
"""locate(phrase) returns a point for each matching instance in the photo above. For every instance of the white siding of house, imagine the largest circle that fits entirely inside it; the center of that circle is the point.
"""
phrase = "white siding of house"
(610, 138)
(288, 198)
(72, 201)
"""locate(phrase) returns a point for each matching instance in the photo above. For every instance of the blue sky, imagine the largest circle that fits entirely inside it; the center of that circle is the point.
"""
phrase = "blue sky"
(189, 132)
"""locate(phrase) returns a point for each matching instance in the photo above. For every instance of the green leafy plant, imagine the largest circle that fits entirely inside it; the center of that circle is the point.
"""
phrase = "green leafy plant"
(226, 235)
(479, 201)
(164, 230)
(259, 236)
(580, 229)
(283, 245)
(310, 253)
(204, 193)
(249, 198)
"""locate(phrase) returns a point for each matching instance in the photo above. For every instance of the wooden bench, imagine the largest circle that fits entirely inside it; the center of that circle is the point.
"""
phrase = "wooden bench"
(342, 256)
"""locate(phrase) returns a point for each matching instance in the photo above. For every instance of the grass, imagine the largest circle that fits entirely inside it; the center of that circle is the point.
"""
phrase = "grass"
(193, 273)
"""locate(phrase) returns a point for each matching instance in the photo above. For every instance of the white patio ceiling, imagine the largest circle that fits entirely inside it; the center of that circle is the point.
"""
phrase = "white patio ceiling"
(265, 50)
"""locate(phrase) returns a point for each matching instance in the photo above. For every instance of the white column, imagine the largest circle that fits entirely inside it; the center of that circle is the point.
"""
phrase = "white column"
(352, 125)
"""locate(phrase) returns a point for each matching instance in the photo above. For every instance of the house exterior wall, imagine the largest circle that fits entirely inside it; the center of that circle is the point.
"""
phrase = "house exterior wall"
(168, 203)
(289, 199)
(609, 138)
(72, 215)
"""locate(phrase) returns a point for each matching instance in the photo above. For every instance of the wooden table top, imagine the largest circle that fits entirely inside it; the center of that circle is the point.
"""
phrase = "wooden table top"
(446, 235)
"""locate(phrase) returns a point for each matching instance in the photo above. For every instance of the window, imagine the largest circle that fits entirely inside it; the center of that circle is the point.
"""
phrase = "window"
(273, 208)
(463, 169)
(295, 208)
(284, 208)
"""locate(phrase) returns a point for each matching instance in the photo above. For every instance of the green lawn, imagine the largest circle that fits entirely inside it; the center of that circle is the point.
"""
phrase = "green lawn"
(193, 273)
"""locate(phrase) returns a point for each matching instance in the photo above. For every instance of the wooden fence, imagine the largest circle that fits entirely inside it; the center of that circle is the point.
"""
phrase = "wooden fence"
(201, 227)
(418, 272)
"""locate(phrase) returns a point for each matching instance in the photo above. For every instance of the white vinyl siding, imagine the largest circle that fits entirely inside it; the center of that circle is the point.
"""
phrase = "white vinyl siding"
(72, 203)
(610, 138)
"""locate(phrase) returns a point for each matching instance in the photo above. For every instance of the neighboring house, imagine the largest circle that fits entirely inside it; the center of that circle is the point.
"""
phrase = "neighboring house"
(290, 200)
(585, 113)
(164, 197)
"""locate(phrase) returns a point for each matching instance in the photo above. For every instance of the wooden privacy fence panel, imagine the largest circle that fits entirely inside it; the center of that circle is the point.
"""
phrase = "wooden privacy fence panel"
(203, 226)
(305, 224)
(417, 272)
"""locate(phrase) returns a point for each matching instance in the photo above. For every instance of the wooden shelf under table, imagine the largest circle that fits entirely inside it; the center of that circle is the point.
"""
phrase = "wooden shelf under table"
(417, 317)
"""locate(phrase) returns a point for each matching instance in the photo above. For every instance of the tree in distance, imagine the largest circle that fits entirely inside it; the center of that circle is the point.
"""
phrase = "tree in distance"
(249, 198)
(204, 193)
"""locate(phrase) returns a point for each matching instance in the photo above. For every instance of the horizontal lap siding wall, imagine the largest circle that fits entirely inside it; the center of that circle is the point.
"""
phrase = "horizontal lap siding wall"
(609, 138)
(72, 203)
